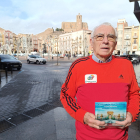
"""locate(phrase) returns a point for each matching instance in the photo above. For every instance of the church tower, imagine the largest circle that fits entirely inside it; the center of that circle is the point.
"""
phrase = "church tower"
(79, 22)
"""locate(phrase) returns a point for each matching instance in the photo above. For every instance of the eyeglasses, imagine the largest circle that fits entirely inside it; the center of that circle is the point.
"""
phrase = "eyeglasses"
(110, 37)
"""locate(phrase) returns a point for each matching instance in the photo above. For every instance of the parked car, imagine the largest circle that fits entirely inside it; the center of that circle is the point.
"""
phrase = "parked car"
(14, 54)
(21, 54)
(14, 57)
(135, 58)
(138, 56)
(132, 57)
(54, 54)
(34, 53)
(79, 55)
(36, 59)
(8, 61)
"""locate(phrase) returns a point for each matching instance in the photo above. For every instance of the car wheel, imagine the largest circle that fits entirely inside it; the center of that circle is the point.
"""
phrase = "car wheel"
(135, 61)
(37, 62)
(28, 61)
(44, 62)
(18, 68)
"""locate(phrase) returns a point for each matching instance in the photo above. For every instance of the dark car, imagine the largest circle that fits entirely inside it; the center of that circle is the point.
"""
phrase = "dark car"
(132, 57)
(8, 61)
(136, 56)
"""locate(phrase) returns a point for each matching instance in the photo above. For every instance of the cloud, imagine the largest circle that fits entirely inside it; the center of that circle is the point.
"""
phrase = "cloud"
(35, 16)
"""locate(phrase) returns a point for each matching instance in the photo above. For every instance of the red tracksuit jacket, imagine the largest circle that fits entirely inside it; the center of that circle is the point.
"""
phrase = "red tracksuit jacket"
(115, 82)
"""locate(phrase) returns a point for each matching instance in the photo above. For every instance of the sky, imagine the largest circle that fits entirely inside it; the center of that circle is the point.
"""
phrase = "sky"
(35, 16)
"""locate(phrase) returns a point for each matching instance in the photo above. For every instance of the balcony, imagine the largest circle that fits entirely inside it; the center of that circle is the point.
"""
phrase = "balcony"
(127, 38)
(135, 37)
(11, 41)
(127, 44)
(134, 47)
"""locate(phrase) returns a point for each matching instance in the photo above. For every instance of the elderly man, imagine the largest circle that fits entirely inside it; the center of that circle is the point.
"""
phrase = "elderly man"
(113, 80)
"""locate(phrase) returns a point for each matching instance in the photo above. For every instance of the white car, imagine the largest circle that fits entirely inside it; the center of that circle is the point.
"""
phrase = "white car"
(36, 59)
(54, 54)
(79, 55)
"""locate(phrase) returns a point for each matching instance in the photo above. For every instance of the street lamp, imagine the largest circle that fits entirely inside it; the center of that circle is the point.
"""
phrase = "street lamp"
(71, 47)
(85, 45)
(136, 9)
(19, 43)
(57, 49)
(49, 42)
(44, 49)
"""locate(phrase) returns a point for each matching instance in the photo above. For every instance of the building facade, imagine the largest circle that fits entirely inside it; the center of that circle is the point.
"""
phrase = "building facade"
(73, 43)
(120, 30)
(128, 38)
(74, 26)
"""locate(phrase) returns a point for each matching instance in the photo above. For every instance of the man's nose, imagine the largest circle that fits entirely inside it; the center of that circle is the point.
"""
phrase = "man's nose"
(105, 40)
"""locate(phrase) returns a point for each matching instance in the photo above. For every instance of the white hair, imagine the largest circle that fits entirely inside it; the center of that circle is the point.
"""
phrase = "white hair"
(107, 24)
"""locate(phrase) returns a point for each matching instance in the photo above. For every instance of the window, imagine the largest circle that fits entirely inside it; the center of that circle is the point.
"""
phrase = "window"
(135, 42)
(120, 26)
(127, 37)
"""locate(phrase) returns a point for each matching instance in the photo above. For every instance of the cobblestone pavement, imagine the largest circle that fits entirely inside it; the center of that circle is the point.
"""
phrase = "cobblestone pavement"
(33, 87)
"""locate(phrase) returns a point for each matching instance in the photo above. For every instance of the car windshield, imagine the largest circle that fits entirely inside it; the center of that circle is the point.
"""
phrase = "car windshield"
(6, 57)
(37, 56)
(135, 56)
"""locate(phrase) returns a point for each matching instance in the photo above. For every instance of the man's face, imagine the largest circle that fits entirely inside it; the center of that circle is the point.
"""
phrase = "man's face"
(103, 49)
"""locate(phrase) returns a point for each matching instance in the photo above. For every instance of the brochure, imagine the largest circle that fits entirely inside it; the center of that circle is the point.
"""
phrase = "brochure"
(110, 112)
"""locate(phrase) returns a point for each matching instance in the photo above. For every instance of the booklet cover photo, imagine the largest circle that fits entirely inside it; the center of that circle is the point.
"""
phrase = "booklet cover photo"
(110, 112)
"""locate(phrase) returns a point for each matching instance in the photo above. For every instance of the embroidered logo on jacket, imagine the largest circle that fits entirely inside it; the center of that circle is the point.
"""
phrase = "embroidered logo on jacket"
(90, 78)
(121, 77)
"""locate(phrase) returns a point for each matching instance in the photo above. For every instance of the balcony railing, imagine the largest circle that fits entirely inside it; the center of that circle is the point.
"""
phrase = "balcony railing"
(135, 36)
(127, 38)
(128, 44)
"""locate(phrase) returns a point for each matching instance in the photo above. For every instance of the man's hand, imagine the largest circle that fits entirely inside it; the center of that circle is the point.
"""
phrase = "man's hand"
(126, 122)
(89, 119)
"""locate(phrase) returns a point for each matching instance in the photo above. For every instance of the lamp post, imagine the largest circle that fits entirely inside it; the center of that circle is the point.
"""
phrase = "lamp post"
(80, 42)
(85, 45)
(44, 49)
(71, 48)
(19, 43)
(48, 42)
(136, 9)
(57, 49)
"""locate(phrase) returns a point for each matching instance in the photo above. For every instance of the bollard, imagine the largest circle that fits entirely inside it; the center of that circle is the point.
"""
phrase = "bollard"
(6, 68)
(11, 69)
(0, 71)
